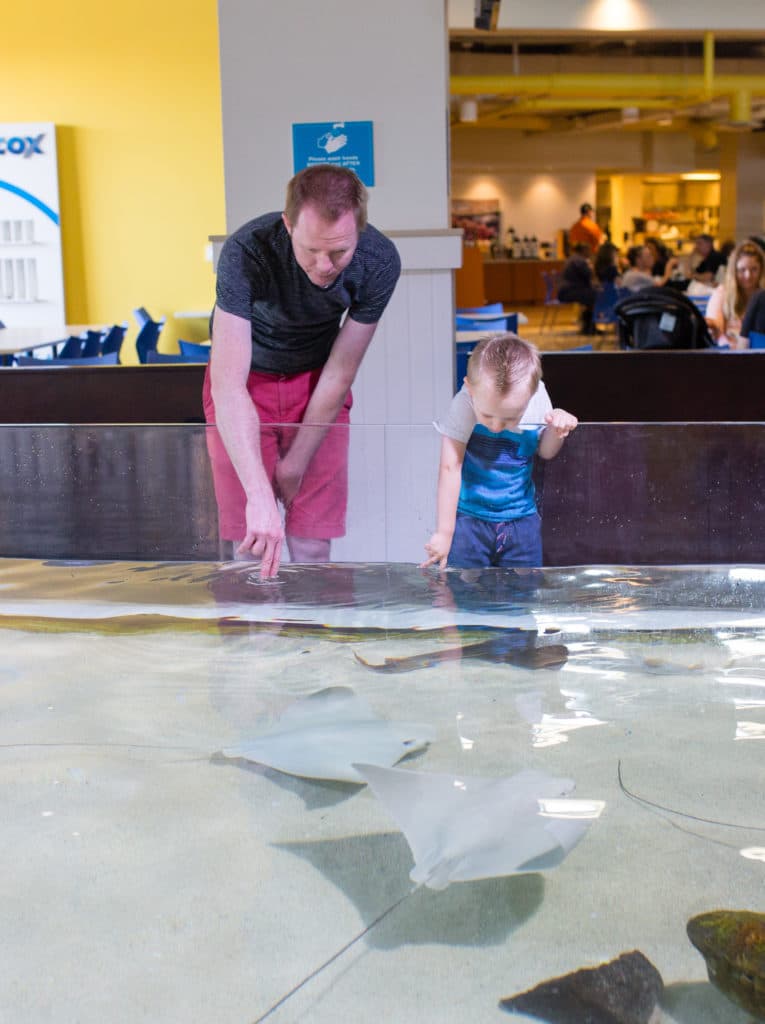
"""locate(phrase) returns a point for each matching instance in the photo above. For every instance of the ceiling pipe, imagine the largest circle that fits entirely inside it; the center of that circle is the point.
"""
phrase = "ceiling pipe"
(709, 64)
(593, 103)
(741, 107)
(592, 85)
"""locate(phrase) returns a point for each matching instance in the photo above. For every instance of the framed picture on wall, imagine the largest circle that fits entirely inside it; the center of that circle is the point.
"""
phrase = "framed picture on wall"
(478, 218)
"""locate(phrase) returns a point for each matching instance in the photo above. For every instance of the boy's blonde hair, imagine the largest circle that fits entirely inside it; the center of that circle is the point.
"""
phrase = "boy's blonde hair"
(507, 359)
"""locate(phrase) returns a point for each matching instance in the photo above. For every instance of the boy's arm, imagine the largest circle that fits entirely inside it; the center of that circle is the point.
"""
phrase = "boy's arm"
(449, 481)
(559, 425)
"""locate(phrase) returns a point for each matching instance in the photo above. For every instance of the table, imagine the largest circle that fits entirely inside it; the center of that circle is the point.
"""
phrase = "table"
(25, 339)
(469, 336)
(522, 318)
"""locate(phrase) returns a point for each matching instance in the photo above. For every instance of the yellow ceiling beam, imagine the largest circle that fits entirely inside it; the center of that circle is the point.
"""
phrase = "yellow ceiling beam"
(610, 85)
(597, 103)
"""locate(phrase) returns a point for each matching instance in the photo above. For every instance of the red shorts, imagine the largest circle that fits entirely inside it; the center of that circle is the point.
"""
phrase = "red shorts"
(318, 510)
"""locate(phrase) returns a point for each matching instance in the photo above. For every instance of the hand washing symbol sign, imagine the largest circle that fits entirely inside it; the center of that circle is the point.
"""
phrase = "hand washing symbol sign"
(347, 144)
(330, 142)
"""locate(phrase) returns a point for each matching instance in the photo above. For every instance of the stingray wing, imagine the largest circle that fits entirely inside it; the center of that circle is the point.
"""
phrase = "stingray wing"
(320, 737)
(466, 828)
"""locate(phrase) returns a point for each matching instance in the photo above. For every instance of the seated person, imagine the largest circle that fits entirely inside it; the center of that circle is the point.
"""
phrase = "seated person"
(607, 267)
(725, 251)
(576, 285)
(744, 275)
(640, 273)
(754, 318)
(660, 254)
(709, 259)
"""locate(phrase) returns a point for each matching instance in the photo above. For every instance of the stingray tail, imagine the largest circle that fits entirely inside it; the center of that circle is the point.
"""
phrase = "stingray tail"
(335, 956)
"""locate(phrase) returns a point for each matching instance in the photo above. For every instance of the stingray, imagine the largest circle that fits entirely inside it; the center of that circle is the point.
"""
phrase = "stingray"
(512, 649)
(322, 735)
(462, 828)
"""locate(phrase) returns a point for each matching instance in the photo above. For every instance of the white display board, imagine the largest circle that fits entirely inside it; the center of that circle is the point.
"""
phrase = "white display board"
(31, 272)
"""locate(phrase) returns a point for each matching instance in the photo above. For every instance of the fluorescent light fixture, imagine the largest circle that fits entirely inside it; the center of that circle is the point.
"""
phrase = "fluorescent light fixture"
(701, 176)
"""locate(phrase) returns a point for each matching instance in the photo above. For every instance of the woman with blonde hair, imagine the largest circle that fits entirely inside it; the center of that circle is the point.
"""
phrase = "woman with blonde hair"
(744, 275)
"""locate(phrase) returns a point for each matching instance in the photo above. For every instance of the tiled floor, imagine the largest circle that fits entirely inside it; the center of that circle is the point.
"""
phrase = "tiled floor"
(564, 331)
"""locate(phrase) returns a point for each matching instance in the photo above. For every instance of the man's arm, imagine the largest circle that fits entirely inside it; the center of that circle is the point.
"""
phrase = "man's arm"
(449, 481)
(239, 427)
(336, 378)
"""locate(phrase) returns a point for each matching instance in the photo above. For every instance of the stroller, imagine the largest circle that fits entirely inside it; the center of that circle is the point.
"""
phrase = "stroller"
(660, 318)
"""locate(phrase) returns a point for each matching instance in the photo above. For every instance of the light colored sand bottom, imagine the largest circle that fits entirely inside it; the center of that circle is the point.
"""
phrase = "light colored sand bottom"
(147, 879)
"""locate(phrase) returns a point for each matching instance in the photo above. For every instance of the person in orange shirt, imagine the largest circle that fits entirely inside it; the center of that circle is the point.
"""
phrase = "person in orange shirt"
(585, 231)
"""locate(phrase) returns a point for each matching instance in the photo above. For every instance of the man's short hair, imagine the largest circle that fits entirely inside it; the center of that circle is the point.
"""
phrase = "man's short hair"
(331, 190)
(585, 208)
(507, 360)
(633, 254)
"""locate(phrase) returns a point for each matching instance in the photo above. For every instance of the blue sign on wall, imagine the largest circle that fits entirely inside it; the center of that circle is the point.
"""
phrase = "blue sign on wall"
(345, 143)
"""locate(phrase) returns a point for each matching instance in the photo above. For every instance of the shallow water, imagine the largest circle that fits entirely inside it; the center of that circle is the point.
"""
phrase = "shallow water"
(147, 877)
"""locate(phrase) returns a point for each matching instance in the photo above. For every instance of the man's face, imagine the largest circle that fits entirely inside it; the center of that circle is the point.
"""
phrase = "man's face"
(323, 249)
(703, 246)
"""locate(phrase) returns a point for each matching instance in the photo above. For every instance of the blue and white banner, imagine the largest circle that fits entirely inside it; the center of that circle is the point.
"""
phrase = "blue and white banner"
(345, 143)
(31, 274)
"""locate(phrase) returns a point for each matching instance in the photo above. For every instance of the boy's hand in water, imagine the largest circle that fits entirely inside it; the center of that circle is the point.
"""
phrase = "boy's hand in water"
(562, 422)
(438, 549)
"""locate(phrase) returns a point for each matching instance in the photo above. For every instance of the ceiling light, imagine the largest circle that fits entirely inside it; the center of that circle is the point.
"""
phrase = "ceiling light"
(701, 176)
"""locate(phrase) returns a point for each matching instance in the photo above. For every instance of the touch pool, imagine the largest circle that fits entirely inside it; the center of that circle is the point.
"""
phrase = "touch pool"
(154, 872)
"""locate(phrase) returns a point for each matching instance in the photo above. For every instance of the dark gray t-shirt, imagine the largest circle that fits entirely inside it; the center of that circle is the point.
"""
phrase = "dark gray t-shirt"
(295, 322)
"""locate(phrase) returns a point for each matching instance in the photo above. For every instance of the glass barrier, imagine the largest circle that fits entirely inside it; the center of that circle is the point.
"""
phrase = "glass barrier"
(368, 791)
(632, 493)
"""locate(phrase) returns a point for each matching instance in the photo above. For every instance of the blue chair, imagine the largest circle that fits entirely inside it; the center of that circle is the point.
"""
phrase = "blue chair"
(112, 340)
(193, 352)
(503, 323)
(71, 349)
(147, 338)
(463, 350)
(91, 344)
(756, 339)
(605, 304)
(107, 360)
(142, 316)
(700, 302)
(552, 304)
(152, 356)
(491, 307)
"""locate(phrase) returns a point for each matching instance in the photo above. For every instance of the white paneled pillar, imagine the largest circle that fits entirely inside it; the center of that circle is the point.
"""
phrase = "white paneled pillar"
(296, 62)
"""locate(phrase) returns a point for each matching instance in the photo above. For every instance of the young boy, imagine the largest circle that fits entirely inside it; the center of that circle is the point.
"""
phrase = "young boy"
(487, 514)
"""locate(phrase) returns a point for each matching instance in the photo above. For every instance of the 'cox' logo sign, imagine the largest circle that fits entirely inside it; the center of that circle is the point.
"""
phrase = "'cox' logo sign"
(19, 146)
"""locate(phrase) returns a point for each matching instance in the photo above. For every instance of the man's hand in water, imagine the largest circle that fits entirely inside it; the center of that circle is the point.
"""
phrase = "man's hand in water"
(264, 536)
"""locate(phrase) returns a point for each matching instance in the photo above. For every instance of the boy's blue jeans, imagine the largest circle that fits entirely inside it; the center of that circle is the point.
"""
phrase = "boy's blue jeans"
(479, 543)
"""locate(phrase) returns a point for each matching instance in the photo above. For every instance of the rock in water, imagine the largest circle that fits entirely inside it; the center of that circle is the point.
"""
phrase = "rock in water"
(733, 944)
(622, 991)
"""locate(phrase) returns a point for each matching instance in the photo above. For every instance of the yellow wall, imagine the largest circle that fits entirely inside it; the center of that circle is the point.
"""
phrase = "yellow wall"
(135, 92)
